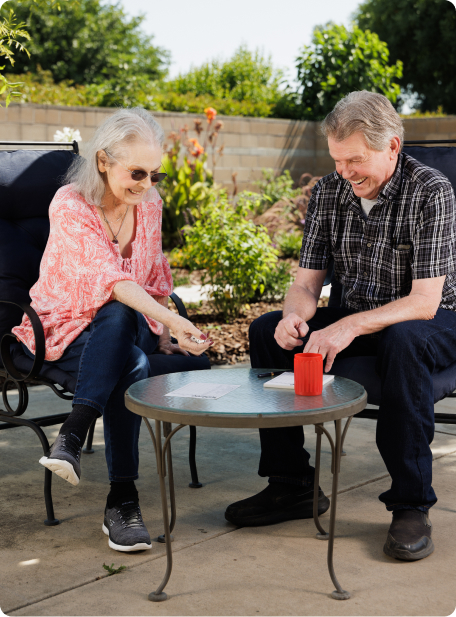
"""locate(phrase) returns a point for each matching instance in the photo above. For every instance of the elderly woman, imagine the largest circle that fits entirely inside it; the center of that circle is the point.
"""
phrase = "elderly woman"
(102, 299)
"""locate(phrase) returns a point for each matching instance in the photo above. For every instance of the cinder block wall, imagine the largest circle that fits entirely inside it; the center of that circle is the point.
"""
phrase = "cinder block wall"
(250, 144)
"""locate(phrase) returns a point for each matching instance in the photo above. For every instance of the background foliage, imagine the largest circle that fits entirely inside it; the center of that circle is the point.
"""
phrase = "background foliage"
(421, 33)
(88, 52)
(88, 42)
(340, 61)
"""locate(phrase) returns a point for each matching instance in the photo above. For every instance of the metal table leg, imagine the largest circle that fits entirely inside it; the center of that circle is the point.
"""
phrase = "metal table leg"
(161, 452)
(336, 449)
(322, 535)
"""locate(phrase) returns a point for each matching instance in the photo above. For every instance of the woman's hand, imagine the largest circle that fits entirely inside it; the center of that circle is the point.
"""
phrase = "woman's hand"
(183, 330)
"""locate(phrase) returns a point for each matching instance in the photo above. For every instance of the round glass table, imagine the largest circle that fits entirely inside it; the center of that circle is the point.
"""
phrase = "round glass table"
(250, 405)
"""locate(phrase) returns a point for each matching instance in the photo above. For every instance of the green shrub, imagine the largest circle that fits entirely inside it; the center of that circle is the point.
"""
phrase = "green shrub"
(290, 244)
(245, 76)
(236, 254)
(192, 103)
(342, 60)
(273, 188)
(276, 284)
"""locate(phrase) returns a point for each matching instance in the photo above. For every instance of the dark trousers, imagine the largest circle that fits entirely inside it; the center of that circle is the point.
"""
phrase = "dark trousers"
(108, 357)
(407, 354)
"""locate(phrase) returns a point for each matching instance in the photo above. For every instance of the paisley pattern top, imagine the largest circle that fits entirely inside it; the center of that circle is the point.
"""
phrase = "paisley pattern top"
(80, 267)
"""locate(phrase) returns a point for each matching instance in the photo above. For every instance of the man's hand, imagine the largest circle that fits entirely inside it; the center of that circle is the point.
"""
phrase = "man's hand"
(167, 347)
(290, 331)
(332, 340)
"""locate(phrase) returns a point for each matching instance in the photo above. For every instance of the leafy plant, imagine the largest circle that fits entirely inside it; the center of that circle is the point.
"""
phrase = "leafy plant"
(245, 76)
(10, 32)
(112, 570)
(181, 281)
(275, 187)
(340, 61)
(290, 244)
(236, 254)
(189, 186)
(276, 284)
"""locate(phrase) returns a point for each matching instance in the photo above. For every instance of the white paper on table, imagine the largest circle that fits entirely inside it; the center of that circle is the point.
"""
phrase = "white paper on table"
(286, 381)
(211, 391)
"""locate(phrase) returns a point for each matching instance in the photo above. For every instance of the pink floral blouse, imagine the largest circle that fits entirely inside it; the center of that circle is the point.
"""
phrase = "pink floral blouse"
(80, 267)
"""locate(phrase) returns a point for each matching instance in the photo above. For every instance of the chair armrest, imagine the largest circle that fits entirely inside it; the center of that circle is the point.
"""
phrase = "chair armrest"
(179, 305)
(40, 345)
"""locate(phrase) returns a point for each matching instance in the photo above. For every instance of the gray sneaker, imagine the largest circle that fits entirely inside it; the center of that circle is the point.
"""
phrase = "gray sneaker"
(125, 528)
(64, 458)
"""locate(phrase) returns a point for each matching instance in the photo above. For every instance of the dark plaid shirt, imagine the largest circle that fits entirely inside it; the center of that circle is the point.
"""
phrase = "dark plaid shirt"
(409, 234)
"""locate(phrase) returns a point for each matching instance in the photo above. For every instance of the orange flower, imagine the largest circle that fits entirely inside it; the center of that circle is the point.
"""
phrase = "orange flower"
(198, 148)
(210, 113)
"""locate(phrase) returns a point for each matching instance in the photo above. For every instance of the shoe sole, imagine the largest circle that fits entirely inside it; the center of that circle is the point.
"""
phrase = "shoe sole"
(272, 518)
(141, 546)
(405, 555)
(63, 469)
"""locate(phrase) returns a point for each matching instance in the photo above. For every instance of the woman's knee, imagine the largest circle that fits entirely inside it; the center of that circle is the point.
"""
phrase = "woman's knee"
(116, 313)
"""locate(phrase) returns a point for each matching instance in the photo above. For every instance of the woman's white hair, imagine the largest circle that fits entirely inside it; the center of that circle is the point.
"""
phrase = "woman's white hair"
(368, 113)
(114, 136)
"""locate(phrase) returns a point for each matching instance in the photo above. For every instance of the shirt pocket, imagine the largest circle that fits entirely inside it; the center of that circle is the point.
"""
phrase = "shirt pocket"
(401, 267)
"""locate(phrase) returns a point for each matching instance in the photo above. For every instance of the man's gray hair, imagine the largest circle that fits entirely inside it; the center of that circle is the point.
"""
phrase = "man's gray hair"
(365, 112)
(115, 135)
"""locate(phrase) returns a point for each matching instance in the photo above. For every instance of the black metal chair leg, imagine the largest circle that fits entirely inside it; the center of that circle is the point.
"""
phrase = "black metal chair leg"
(51, 520)
(88, 449)
(195, 483)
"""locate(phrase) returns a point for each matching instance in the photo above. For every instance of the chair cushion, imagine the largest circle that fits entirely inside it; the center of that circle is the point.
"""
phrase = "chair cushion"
(22, 243)
(442, 158)
(362, 370)
(159, 365)
(29, 180)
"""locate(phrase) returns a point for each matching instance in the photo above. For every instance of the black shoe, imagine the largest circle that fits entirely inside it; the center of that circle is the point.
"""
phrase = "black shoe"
(278, 502)
(64, 458)
(125, 527)
(409, 537)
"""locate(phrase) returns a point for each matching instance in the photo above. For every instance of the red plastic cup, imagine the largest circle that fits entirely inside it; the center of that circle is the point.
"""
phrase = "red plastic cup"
(308, 374)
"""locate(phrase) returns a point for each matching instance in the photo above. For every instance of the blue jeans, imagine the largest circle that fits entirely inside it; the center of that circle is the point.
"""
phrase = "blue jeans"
(407, 354)
(108, 357)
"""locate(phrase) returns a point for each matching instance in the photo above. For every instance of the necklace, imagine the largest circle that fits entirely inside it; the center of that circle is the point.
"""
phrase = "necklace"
(114, 240)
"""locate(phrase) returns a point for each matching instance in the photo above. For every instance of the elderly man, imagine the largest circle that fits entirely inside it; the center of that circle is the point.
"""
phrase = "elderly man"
(389, 224)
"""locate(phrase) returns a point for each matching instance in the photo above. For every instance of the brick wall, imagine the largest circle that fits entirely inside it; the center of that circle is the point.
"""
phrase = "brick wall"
(250, 144)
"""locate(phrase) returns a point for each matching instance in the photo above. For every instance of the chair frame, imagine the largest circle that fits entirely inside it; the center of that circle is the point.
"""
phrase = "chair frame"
(10, 418)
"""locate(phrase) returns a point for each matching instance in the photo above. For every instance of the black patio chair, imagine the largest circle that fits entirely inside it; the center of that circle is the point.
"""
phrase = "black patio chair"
(28, 182)
(362, 368)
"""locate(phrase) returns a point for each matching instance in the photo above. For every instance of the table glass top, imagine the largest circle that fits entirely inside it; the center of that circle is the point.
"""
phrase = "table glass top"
(250, 399)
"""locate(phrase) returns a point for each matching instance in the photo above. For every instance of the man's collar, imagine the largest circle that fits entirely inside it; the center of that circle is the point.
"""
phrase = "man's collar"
(393, 186)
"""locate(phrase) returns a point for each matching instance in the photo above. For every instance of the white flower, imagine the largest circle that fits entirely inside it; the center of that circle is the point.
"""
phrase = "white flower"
(68, 134)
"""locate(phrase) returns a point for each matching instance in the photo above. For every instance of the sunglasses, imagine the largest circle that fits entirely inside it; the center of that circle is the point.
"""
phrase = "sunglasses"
(139, 174)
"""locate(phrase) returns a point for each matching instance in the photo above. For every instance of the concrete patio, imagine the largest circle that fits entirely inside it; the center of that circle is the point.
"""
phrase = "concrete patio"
(218, 568)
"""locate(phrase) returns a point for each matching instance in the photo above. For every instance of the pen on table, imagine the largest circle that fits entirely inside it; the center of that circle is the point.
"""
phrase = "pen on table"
(270, 374)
